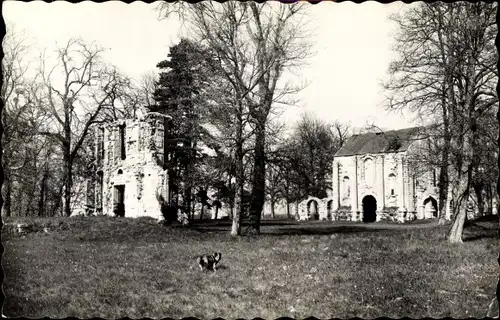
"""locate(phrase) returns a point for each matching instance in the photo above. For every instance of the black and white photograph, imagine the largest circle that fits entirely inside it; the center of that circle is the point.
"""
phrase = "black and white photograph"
(242, 160)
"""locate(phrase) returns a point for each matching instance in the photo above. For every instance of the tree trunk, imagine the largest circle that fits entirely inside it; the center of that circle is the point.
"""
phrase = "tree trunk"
(57, 205)
(287, 209)
(478, 189)
(287, 190)
(443, 193)
(259, 176)
(238, 199)
(202, 210)
(239, 172)
(443, 174)
(7, 195)
(187, 201)
(297, 216)
(187, 177)
(32, 188)
(193, 208)
(43, 187)
(449, 197)
(272, 207)
(238, 202)
(455, 235)
(492, 197)
(459, 213)
(231, 202)
(67, 187)
(216, 212)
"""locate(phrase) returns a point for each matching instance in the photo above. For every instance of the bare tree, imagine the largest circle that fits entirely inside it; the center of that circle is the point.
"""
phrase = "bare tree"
(215, 25)
(447, 72)
(147, 87)
(17, 101)
(231, 130)
(132, 99)
(77, 89)
(341, 131)
(316, 145)
(253, 44)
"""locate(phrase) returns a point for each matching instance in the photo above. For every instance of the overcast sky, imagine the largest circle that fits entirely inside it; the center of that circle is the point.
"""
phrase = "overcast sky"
(351, 46)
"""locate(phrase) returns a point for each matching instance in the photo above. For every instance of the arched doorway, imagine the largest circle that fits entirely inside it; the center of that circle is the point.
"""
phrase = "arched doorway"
(329, 205)
(119, 200)
(431, 207)
(369, 209)
(312, 210)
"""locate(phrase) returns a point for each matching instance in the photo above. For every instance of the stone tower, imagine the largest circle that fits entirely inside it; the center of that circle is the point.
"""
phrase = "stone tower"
(130, 175)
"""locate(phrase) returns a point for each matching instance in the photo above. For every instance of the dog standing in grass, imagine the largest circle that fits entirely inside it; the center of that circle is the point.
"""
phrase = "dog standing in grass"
(209, 261)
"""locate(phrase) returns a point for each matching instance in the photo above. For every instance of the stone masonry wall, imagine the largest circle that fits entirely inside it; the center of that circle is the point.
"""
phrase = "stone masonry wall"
(389, 179)
(129, 155)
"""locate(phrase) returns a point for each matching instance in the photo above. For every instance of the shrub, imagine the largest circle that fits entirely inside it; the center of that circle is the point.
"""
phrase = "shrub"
(168, 211)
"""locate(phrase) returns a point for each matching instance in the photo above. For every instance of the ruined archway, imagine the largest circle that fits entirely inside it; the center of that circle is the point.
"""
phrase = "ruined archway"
(312, 210)
(369, 209)
(430, 207)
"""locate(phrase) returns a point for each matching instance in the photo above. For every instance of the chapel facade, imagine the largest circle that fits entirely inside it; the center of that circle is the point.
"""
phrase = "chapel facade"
(375, 178)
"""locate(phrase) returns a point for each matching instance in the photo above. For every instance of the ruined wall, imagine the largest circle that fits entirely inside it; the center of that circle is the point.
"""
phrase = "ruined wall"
(425, 192)
(129, 173)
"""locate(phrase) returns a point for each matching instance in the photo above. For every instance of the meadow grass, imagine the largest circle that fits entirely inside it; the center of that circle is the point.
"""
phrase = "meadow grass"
(117, 267)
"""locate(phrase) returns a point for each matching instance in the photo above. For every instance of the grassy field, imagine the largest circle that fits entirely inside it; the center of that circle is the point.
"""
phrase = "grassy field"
(108, 267)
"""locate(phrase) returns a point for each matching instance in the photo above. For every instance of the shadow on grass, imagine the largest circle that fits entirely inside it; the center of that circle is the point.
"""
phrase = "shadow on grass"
(314, 227)
(472, 235)
(227, 223)
(487, 218)
(221, 267)
(485, 227)
(479, 237)
(282, 228)
(316, 230)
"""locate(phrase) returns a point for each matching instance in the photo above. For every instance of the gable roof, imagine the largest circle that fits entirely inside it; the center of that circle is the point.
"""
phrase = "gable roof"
(379, 142)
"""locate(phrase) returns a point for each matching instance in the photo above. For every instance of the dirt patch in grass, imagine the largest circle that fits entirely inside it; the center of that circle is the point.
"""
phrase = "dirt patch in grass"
(109, 268)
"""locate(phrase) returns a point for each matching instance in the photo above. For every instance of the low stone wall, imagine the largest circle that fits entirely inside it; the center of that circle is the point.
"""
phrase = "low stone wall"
(343, 213)
(389, 214)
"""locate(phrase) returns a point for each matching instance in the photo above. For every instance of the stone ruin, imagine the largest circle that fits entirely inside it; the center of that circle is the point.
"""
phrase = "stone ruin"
(129, 178)
(314, 208)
